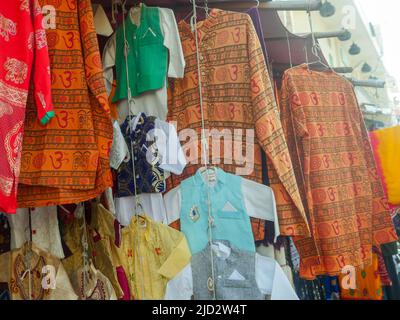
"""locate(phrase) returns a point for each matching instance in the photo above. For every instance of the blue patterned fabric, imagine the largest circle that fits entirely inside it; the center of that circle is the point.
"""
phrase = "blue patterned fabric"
(150, 177)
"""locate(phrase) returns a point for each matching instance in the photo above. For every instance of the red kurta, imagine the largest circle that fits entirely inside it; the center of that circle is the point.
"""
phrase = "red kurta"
(23, 48)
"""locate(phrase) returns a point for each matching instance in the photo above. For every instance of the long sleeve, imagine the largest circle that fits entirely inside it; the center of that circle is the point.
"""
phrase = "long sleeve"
(172, 201)
(181, 286)
(260, 202)
(383, 229)
(41, 67)
(172, 41)
(178, 253)
(269, 133)
(90, 48)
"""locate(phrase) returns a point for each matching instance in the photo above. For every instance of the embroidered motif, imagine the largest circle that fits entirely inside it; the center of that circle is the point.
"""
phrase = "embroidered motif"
(24, 5)
(13, 145)
(22, 279)
(16, 97)
(40, 37)
(5, 109)
(31, 39)
(37, 8)
(17, 70)
(98, 293)
(194, 213)
(7, 28)
(6, 185)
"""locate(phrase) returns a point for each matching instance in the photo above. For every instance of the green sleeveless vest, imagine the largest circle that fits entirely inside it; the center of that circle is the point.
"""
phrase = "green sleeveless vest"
(147, 55)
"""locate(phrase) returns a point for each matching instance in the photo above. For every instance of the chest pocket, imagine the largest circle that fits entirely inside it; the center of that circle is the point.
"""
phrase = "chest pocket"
(229, 211)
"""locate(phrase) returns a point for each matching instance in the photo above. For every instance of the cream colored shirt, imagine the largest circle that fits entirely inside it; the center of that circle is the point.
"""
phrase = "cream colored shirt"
(23, 279)
(44, 229)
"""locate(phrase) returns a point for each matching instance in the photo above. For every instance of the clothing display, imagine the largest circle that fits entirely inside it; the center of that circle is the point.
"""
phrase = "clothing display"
(68, 160)
(155, 53)
(27, 270)
(237, 94)
(188, 159)
(151, 203)
(331, 152)
(40, 225)
(23, 56)
(385, 144)
(93, 285)
(151, 254)
(98, 250)
(233, 200)
(153, 148)
(239, 275)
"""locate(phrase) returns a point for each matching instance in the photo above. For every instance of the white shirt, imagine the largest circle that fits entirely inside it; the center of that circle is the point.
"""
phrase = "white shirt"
(172, 159)
(152, 205)
(259, 202)
(152, 103)
(45, 230)
(270, 278)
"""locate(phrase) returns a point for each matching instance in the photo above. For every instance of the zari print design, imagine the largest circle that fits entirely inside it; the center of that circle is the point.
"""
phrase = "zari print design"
(17, 70)
(98, 293)
(40, 37)
(13, 145)
(31, 40)
(24, 5)
(7, 28)
(14, 96)
(6, 185)
(5, 109)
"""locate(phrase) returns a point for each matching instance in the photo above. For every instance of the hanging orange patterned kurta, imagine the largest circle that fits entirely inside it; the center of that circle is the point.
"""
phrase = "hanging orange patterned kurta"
(68, 161)
(332, 156)
(238, 95)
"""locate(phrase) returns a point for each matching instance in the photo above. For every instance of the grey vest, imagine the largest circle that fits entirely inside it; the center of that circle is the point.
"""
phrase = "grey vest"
(239, 264)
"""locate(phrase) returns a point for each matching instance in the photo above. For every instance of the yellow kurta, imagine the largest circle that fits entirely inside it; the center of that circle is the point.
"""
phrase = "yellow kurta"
(151, 254)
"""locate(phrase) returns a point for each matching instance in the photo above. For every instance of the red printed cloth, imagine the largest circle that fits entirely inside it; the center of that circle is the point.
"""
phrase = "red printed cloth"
(23, 49)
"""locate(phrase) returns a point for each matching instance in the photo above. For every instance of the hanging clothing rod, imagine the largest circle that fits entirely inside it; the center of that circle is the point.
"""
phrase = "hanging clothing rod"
(295, 5)
(281, 67)
(379, 84)
(312, 5)
(318, 35)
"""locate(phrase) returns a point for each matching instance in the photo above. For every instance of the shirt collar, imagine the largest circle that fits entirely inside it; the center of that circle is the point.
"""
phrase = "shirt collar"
(203, 25)
(221, 177)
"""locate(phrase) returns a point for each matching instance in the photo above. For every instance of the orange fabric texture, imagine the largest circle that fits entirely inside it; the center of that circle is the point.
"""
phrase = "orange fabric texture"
(368, 284)
(335, 168)
(237, 95)
(68, 161)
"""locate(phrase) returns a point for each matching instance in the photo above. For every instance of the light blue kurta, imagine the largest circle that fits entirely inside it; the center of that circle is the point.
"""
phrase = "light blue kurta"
(231, 221)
